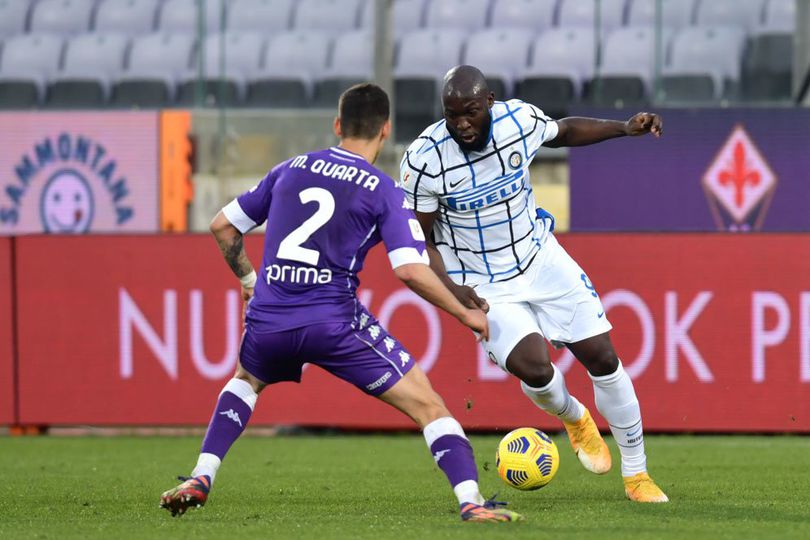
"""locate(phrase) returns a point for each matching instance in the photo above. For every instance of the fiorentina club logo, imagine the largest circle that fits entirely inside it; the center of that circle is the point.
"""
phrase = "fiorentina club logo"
(739, 184)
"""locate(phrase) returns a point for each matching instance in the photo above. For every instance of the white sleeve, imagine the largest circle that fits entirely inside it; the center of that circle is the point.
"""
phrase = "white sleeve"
(417, 183)
(540, 128)
(238, 218)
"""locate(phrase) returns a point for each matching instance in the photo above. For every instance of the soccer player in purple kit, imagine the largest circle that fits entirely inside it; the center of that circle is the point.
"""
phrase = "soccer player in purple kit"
(325, 211)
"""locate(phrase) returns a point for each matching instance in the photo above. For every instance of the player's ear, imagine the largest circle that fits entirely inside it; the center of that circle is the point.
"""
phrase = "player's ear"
(491, 99)
(385, 132)
(336, 128)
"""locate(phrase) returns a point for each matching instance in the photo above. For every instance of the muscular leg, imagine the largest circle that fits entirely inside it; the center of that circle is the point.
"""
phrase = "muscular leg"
(541, 381)
(615, 398)
(445, 437)
(231, 415)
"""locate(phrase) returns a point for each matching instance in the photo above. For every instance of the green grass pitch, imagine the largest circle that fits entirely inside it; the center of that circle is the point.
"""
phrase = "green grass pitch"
(386, 486)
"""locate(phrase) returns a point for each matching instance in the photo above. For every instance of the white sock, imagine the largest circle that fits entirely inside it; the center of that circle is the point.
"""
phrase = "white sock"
(616, 400)
(207, 464)
(555, 399)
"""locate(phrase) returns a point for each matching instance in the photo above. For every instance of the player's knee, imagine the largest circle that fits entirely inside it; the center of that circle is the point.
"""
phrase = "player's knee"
(536, 374)
(603, 363)
(431, 408)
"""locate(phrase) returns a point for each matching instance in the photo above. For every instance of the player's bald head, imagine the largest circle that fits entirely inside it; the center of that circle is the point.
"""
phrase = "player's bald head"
(466, 101)
(465, 82)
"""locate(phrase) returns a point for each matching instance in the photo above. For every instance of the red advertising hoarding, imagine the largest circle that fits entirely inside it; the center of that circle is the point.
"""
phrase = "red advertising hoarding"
(6, 335)
(714, 330)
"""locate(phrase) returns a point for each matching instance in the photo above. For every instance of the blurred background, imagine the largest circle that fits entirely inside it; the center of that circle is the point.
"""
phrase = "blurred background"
(125, 122)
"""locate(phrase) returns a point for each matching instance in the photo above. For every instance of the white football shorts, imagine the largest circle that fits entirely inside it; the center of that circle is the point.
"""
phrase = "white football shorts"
(554, 298)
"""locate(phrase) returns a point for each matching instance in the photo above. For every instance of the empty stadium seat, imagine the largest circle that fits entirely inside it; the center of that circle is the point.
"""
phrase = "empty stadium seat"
(130, 17)
(27, 62)
(65, 17)
(627, 67)
(91, 61)
(675, 13)
(292, 61)
(352, 63)
(705, 64)
(407, 17)
(743, 13)
(155, 63)
(12, 17)
(500, 54)
(536, 15)
(583, 13)
(780, 15)
(182, 16)
(270, 16)
(468, 15)
(560, 60)
(424, 57)
(227, 59)
(332, 16)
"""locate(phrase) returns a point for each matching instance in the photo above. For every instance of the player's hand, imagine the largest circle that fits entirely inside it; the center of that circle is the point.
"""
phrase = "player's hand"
(476, 320)
(643, 123)
(469, 298)
(247, 294)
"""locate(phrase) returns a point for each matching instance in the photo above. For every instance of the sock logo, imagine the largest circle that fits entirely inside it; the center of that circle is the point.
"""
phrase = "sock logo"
(440, 454)
(233, 415)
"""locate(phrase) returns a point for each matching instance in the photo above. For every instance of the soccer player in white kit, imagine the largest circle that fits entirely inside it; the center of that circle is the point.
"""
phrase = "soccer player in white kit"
(467, 177)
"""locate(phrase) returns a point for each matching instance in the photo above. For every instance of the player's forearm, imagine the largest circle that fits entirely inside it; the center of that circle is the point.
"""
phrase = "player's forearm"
(437, 265)
(232, 246)
(578, 131)
(423, 281)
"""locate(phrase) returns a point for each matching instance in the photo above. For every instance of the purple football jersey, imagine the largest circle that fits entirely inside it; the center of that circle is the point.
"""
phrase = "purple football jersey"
(325, 210)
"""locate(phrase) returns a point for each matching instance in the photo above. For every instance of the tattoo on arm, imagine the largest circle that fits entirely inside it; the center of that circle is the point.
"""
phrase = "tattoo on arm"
(233, 249)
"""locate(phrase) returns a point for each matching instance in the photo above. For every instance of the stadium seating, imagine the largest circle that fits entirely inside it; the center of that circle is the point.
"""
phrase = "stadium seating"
(705, 64)
(627, 67)
(329, 16)
(536, 15)
(227, 60)
(675, 13)
(293, 60)
(28, 60)
(12, 17)
(91, 60)
(743, 13)
(269, 16)
(67, 17)
(424, 57)
(582, 13)
(352, 63)
(408, 16)
(501, 55)
(561, 59)
(181, 16)
(768, 66)
(468, 15)
(132, 17)
(155, 63)
(780, 15)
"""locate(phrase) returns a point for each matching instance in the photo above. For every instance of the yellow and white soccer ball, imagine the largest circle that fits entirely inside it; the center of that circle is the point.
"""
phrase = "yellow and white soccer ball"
(527, 459)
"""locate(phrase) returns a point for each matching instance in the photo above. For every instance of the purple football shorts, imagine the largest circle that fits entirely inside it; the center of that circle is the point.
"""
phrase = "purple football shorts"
(367, 357)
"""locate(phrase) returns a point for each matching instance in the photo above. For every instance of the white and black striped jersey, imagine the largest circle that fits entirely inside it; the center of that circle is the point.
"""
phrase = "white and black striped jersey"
(487, 229)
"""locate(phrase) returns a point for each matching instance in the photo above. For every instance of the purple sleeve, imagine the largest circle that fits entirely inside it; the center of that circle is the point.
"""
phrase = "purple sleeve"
(249, 210)
(400, 231)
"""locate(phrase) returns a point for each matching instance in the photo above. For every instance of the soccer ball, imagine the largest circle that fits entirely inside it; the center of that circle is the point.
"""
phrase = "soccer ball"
(527, 459)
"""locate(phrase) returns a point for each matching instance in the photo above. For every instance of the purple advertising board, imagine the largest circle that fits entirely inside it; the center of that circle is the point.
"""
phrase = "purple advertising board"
(79, 172)
(714, 169)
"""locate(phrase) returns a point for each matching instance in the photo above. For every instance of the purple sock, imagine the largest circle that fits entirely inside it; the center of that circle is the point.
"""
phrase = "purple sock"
(454, 456)
(230, 417)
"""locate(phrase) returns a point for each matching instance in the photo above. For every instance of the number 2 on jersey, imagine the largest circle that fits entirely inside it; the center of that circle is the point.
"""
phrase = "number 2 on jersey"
(290, 248)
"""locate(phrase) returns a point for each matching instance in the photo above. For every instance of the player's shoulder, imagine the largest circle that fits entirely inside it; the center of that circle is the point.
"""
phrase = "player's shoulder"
(523, 112)
(430, 151)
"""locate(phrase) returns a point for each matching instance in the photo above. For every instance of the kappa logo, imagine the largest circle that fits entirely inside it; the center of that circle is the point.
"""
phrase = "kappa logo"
(739, 184)
(440, 454)
(233, 415)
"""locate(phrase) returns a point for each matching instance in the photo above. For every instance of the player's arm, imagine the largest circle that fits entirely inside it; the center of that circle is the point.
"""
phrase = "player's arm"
(422, 280)
(466, 295)
(577, 131)
(231, 245)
